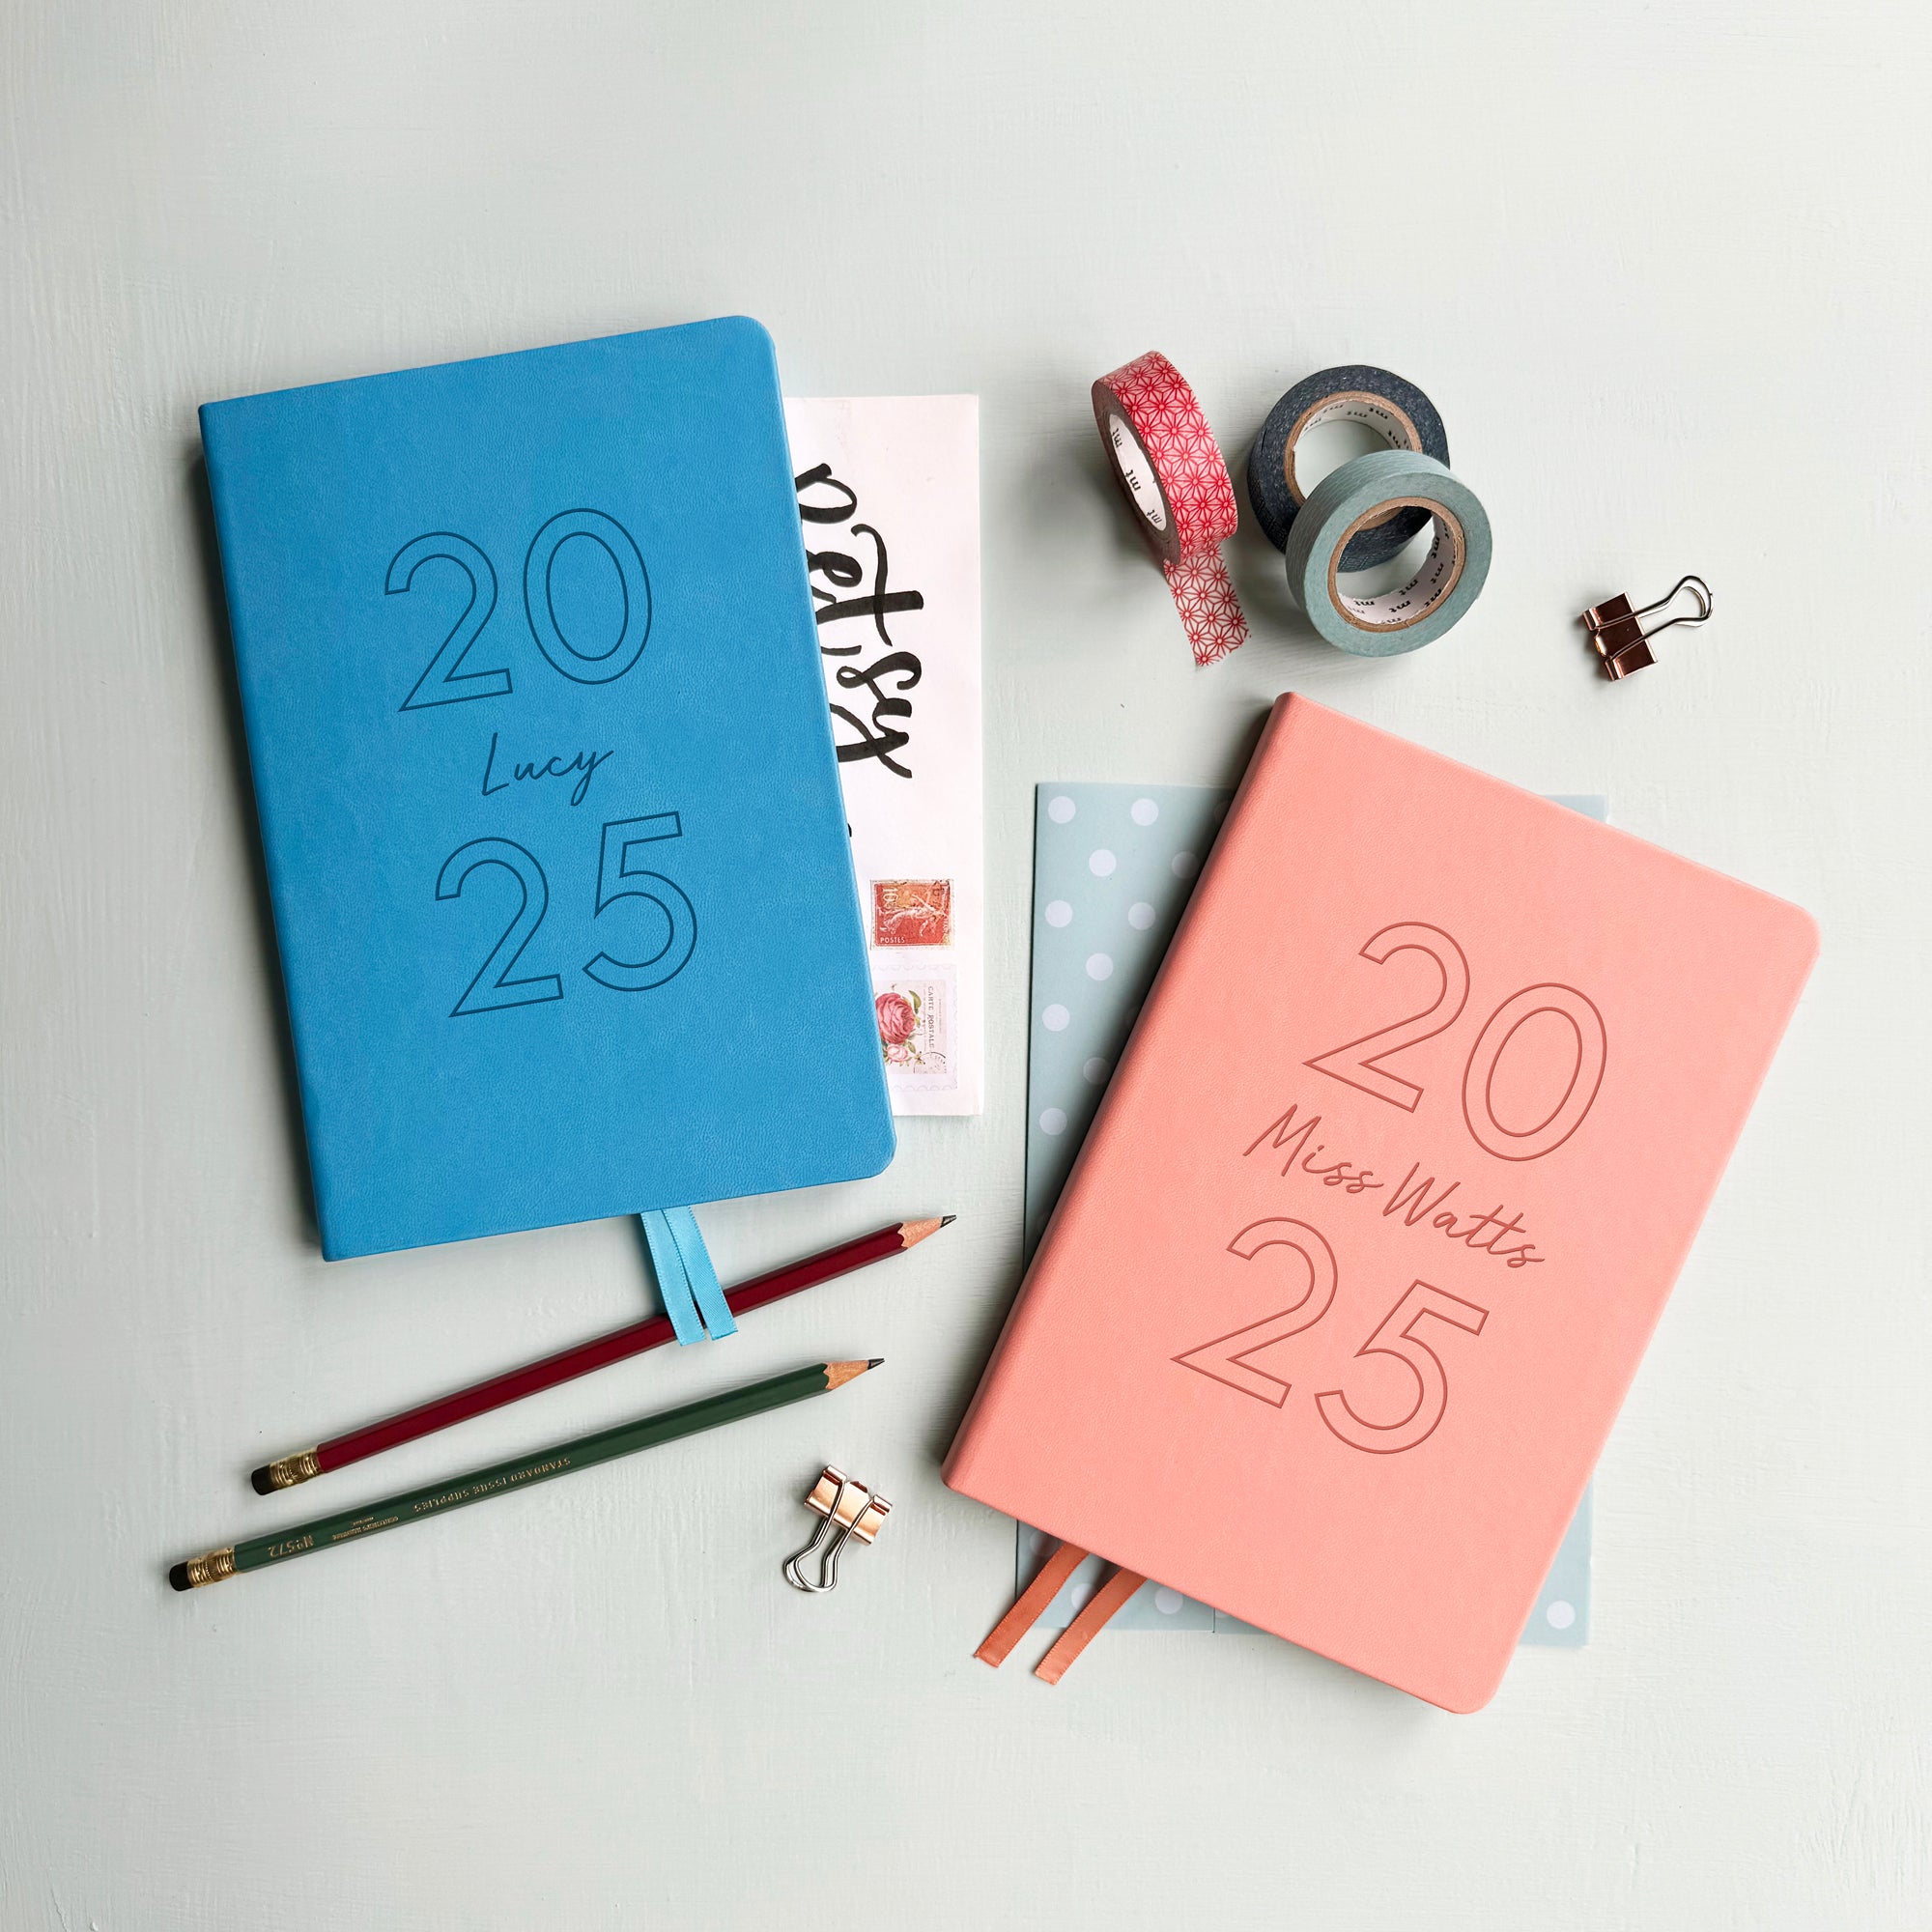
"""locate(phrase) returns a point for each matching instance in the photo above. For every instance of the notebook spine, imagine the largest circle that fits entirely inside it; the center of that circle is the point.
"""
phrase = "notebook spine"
(981, 1410)
(246, 649)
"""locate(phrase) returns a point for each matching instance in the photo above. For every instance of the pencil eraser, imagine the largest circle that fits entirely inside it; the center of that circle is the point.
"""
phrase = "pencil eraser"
(264, 1482)
(178, 1576)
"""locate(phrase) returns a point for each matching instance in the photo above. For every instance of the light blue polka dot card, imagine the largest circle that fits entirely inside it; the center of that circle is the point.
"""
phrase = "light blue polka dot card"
(1112, 868)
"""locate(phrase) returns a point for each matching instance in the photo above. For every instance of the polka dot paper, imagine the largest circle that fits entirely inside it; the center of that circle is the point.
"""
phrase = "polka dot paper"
(1113, 867)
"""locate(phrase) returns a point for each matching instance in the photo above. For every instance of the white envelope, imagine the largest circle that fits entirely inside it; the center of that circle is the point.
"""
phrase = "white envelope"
(889, 488)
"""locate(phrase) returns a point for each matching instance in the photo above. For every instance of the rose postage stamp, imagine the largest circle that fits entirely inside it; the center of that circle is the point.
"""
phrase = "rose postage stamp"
(916, 1029)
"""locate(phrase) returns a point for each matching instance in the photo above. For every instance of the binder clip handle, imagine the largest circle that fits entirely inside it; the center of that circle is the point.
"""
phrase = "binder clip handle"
(1616, 630)
(845, 1509)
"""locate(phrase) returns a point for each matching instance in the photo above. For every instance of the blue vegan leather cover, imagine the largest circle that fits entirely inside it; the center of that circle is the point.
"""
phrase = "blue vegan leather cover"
(561, 879)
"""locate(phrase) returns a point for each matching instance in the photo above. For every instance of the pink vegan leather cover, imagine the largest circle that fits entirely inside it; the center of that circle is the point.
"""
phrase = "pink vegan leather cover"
(1382, 1205)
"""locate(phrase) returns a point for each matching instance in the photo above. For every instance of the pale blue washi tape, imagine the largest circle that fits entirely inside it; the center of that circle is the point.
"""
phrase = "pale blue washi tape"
(1352, 499)
(687, 1281)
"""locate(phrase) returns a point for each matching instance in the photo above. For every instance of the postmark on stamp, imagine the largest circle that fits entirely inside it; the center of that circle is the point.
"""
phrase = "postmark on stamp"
(912, 912)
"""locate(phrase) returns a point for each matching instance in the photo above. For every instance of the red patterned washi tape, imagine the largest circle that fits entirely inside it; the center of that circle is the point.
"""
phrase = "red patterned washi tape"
(1174, 474)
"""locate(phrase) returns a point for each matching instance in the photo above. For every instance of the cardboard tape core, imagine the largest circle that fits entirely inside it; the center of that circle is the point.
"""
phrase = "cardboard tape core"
(1392, 427)
(1434, 578)
(1136, 471)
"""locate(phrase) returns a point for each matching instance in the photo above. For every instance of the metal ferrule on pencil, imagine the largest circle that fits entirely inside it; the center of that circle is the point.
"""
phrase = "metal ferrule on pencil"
(210, 1569)
(291, 1470)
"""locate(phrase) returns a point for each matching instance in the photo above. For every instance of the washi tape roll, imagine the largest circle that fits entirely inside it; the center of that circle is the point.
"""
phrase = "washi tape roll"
(1360, 496)
(1176, 479)
(1379, 402)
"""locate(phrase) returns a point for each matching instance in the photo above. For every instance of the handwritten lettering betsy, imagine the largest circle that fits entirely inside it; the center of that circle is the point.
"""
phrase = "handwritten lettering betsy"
(823, 498)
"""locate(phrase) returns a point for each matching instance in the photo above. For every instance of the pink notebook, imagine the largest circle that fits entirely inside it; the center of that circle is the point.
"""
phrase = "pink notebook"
(1382, 1205)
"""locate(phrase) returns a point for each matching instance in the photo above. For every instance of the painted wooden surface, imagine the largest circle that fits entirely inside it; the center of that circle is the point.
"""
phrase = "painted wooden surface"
(1664, 269)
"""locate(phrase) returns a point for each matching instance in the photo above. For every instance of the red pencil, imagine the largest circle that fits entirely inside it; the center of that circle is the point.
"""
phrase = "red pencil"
(569, 1363)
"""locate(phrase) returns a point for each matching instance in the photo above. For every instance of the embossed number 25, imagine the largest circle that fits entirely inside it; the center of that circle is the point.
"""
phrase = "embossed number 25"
(617, 878)
(1228, 1358)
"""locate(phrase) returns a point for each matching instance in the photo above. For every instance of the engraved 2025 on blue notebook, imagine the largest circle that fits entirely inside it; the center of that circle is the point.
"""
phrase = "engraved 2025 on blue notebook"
(548, 796)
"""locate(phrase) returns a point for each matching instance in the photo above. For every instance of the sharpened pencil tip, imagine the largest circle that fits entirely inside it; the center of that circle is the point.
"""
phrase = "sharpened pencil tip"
(839, 1374)
(913, 1233)
(877, 1362)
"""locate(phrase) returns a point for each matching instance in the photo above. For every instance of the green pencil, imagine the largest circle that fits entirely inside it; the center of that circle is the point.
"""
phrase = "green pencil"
(646, 1432)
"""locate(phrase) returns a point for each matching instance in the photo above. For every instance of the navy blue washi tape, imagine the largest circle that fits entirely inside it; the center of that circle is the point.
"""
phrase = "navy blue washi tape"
(1391, 408)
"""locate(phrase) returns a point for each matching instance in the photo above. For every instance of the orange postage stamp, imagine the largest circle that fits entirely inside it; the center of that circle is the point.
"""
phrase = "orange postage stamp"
(912, 912)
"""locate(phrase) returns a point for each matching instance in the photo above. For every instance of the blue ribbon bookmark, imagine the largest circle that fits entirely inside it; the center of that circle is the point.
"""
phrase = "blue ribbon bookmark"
(687, 1281)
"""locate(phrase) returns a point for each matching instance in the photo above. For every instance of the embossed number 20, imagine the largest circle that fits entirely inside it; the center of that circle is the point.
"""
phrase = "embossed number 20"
(443, 679)
(1360, 1063)
(1228, 1358)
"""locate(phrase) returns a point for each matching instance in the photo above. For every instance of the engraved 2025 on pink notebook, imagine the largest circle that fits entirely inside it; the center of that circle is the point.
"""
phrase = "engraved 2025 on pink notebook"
(1382, 1205)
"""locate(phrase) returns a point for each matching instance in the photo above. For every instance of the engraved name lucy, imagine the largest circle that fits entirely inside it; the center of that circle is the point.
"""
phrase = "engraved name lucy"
(514, 772)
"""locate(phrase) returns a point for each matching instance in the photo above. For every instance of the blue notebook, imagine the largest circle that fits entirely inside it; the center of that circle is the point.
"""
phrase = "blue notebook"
(561, 881)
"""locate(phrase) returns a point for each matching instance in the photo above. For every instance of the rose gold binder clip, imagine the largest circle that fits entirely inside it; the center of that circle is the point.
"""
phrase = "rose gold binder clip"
(1617, 634)
(845, 1508)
